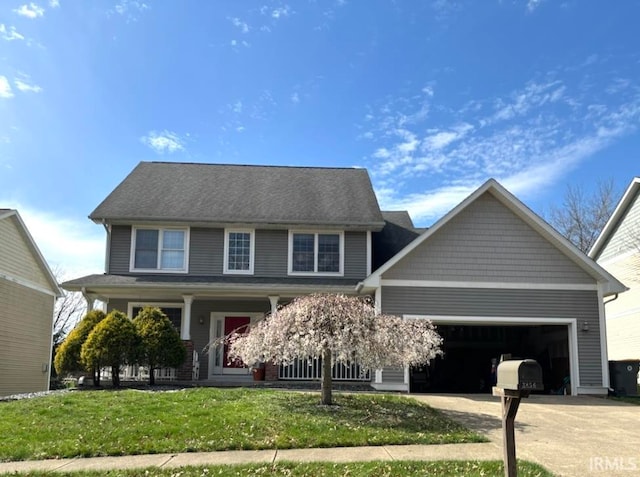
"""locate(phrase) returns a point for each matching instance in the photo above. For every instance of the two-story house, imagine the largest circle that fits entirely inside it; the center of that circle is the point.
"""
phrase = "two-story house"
(218, 246)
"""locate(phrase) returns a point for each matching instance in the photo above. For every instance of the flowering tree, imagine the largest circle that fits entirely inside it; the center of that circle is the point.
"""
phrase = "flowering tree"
(340, 329)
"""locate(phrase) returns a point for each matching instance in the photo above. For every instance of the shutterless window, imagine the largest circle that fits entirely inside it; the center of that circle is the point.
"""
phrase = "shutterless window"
(303, 252)
(239, 254)
(311, 252)
(161, 249)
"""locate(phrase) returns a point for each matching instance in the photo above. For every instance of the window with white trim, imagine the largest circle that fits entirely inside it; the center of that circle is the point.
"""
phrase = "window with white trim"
(238, 251)
(159, 249)
(316, 252)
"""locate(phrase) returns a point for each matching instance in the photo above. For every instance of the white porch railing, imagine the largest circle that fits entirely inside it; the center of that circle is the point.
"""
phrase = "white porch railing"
(310, 369)
(139, 373)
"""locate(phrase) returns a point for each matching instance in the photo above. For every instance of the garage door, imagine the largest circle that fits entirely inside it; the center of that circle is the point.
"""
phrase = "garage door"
(466, 366)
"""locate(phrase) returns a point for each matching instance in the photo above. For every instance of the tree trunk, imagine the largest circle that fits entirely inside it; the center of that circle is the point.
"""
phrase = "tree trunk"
(115, 376)
(326, 378)
(152, 377)
(96, 377)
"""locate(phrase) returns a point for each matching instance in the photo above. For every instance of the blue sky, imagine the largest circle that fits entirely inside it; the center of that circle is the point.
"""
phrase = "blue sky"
(432, 97)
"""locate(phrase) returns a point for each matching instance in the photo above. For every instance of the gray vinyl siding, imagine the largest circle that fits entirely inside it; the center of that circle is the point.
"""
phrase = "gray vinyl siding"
(120, 251)
(355, 255)
(272, 253)
(488, 242)
(206, 252)
(626, 236)
(510, 303)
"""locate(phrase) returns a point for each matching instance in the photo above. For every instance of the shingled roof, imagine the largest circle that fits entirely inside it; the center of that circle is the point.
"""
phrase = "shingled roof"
(220, 193)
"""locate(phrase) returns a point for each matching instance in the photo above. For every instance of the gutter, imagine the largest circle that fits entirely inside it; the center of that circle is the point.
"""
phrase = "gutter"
(615, 297)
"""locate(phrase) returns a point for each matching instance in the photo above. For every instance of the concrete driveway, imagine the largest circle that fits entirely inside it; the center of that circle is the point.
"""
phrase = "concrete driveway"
(569, 435)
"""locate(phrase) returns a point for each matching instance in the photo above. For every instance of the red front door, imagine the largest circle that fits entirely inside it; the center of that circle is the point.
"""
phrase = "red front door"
(239, 324)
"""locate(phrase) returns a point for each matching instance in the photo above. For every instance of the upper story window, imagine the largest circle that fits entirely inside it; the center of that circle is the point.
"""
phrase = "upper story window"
(317, 253)
(238, 251)
(159, 249)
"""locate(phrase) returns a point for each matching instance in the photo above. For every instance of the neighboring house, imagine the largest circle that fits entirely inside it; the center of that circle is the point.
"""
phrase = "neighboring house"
(28, 291)
(617, 249)
(218, 246)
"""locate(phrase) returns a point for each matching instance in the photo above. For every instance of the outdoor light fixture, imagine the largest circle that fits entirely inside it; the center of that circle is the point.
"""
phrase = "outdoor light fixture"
(585, 326)
(201, 320)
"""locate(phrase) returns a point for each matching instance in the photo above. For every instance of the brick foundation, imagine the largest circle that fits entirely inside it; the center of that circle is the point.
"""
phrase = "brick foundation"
(185, 372)
(271, 372)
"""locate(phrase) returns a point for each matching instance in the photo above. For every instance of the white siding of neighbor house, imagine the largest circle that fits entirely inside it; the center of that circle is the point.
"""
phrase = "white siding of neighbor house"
(623, 313)
(626, 237)
(16, 258)
(25, 338)
(487, 242)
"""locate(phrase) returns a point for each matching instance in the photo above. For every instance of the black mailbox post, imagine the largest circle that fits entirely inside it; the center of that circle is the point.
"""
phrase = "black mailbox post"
(516, 379)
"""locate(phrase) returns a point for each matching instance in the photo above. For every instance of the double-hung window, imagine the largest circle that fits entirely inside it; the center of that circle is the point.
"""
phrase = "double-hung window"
(159, 249)
(316, 252)
(238, 251)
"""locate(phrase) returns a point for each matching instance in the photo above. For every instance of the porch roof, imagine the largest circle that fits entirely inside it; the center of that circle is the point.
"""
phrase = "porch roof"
(107, 286)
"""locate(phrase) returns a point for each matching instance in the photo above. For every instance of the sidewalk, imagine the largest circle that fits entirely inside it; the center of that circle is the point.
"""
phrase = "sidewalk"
(484, 451)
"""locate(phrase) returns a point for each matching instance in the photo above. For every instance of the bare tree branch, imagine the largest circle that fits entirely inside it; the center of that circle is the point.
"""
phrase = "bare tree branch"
(582, 216)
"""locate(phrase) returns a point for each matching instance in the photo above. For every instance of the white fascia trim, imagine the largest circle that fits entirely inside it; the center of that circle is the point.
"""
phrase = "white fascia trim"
(390, 387)
(572, 333)
(491, 285)
(604, 352)
(31, 243)
(27, 284)
(315, 273)
(252, 247)
(618, 213)
(159, 228)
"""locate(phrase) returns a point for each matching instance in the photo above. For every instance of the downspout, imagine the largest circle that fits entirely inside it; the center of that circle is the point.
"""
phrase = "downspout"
(615, 297)
(107, 228)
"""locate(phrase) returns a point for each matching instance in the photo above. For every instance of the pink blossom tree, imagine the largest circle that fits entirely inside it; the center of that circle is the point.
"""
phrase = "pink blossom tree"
(338, 328)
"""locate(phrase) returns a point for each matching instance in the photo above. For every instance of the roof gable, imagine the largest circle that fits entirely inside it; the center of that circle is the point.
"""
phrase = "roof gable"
(237, 194)
(621, 218)
(499, 193)
(40, 266)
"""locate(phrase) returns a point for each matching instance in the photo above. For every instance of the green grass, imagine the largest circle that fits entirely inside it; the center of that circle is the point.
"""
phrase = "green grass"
(99, 423)
(359, 469)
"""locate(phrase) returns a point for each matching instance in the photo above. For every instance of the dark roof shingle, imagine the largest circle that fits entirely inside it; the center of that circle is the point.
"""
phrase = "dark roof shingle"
(221, 193)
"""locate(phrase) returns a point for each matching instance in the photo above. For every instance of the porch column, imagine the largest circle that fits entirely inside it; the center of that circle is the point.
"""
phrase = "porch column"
(274, 303)
(185, 326)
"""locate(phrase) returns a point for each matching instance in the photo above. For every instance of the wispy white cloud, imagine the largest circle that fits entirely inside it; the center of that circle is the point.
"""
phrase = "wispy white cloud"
(533, 4)
(54, 3)
(236, 43)
(5, 88)
(295, 98)
(529, 139)
(27, 87)
(10, 33)
(130, 9)
(276, 13)
(163, 142)
(242, 26)
(30, 10)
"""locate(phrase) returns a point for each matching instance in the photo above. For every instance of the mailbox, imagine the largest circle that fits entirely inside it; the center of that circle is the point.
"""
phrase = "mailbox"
(520, 375)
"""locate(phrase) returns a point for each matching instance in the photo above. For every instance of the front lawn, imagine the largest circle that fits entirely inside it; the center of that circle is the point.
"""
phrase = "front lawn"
(358, 469)
(99, 423)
